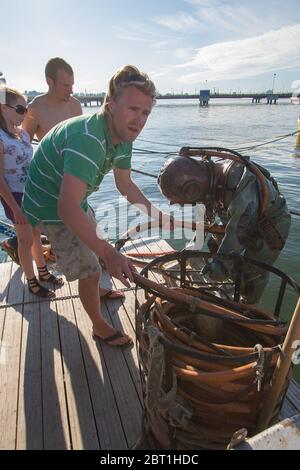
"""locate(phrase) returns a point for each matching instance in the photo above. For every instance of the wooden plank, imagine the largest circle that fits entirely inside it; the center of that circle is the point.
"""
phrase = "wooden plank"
(55, 419)
(5, 270)
(287, 410)
(127, 321)
(120, 319)
(293, 394)
(80, 410)
(124, 390)
(30, 410)
(17, 287)
(29, 419)
(121, 315)
(9, 368)
(108, 422)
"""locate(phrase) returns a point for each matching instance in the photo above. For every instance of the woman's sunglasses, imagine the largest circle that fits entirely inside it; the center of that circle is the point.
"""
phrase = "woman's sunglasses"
(20, 109)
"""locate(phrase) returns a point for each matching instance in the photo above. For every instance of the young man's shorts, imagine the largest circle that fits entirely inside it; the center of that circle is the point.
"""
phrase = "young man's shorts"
(73, 257)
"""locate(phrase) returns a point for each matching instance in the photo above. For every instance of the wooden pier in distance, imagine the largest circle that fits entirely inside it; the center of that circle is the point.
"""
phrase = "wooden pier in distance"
(91, 100)
(97, 100)
(59, 388)
(255, 97)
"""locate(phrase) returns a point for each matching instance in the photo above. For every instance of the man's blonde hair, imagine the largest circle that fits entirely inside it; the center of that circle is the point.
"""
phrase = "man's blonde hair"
(129, 76)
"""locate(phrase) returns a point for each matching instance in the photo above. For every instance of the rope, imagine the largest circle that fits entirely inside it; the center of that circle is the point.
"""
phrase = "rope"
(205, 362)
(155, 152)
(212, 388)
(248, 147)
(292, 212)
(163, 152)
(276, 139)
(58, 299)
(157, 143)
(144, 173)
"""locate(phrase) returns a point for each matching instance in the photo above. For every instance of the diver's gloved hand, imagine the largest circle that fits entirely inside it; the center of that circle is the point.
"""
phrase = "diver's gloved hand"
(216, 270)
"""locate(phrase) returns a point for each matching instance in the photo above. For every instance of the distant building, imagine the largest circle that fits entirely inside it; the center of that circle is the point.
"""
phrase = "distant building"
(204, 96)
(33, 93)
(271, 97)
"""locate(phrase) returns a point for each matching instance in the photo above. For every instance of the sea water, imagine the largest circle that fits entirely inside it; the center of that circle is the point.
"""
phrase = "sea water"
(230, 123)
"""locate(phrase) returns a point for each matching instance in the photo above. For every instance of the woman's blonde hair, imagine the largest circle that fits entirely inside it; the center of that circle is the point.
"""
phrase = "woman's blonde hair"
(129, 76)
(8, 96)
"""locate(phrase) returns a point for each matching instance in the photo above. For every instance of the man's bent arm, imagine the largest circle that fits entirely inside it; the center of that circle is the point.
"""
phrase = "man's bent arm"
(128, 188)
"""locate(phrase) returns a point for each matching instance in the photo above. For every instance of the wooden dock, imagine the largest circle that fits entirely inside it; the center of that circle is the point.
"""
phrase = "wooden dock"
(60, 389)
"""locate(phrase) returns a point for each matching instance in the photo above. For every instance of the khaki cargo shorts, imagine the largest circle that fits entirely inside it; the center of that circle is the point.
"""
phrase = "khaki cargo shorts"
(73, 257)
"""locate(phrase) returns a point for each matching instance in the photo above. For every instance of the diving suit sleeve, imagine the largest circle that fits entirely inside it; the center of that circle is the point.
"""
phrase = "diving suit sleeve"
(241, 222)
(242, 216)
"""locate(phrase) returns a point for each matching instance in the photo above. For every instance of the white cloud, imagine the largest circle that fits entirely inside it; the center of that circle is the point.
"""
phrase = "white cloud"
(132, 31)
(184, 53)
(154, 74)
(271, 51)
(201, 2)
(160, 44)
(178, 22)
(237, 19)
(125, 36)
(234, 17)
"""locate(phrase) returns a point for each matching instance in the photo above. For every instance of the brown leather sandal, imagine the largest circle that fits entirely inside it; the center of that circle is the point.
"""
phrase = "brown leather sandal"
(45, 276)
(35, 288)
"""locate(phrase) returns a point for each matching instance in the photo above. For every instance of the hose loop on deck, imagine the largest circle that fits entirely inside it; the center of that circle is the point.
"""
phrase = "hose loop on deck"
(205, 361)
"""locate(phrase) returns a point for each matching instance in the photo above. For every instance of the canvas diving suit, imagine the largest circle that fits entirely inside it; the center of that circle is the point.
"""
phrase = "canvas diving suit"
(238, 208)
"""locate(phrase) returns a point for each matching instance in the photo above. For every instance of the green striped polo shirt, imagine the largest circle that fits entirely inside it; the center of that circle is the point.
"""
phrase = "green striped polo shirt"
(81, 146)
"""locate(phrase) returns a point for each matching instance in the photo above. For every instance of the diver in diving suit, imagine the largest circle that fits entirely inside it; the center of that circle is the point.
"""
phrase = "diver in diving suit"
(230, 191)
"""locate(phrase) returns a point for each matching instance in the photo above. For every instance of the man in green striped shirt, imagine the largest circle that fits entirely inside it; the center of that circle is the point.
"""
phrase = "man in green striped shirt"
(68, 166)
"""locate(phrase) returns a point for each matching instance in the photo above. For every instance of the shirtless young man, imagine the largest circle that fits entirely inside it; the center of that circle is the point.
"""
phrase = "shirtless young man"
(45, 112)
(57, 105)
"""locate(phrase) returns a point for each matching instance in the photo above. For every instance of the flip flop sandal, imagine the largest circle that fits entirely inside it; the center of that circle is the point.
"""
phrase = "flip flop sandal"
(109, 339)
(113, 294)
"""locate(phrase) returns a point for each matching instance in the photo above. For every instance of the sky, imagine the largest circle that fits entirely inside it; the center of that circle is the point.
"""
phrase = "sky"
(184, 45)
